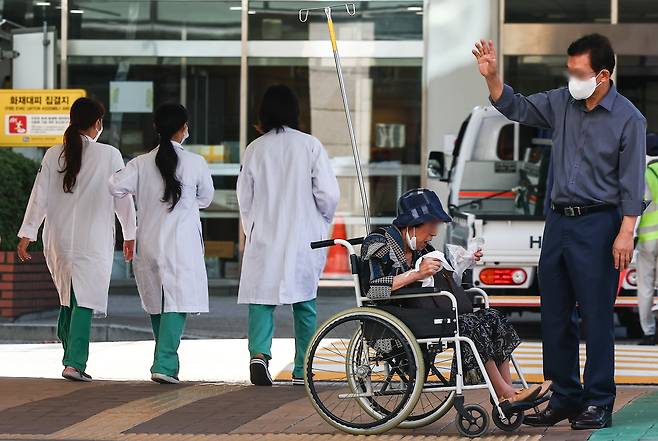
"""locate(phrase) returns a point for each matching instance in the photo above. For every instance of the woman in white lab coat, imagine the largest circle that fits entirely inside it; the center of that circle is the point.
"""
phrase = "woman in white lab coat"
(70, 194)
(288, 193)
(170, 185)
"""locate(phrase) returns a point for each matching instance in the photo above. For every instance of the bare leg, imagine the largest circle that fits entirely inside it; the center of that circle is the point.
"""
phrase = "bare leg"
(501, 386)
(505, 372)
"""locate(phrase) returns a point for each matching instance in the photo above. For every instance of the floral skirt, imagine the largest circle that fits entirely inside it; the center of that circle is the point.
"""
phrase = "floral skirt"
(494, 337)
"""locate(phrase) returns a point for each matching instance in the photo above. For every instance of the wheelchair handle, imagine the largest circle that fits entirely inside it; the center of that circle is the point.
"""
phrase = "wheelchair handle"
(332, 242)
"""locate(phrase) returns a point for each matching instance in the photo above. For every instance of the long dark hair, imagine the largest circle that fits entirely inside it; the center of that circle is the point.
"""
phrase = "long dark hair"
(279, 108)
(169, 119)
(84, 114)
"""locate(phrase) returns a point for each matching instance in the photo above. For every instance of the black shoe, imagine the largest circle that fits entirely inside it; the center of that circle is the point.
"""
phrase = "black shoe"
(550, 416)
(259, 372)
(647, 340)
(593, 417)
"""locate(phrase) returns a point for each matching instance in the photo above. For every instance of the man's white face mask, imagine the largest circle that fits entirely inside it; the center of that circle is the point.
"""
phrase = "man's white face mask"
(186, 134)
(583, 89)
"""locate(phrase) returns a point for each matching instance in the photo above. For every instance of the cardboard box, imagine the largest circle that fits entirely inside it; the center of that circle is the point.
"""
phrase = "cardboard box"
(223, 249)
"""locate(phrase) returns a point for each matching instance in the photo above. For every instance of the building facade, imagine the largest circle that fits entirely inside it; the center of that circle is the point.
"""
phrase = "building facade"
(408, 68)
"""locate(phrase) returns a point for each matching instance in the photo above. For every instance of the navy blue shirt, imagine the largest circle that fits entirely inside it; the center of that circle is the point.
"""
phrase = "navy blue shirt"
(598, 156)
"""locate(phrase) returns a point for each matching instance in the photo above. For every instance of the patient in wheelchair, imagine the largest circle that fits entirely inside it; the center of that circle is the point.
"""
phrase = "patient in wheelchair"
(389, 255)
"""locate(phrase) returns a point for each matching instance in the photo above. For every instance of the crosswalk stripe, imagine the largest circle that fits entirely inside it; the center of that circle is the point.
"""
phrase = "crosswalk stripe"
(633, 364)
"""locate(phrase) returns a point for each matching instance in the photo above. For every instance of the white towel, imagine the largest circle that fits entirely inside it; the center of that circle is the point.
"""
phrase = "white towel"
(429, 281)
(462, 260)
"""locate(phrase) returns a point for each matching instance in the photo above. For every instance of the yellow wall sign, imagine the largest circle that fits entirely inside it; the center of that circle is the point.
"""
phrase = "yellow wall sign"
(35, 118)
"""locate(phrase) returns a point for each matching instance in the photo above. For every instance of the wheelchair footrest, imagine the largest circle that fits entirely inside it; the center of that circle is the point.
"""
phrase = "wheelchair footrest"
(522, 406)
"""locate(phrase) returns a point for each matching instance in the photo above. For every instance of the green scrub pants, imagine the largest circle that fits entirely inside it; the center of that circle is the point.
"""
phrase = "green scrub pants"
(74, 330)
(261, 331)
(168, 329)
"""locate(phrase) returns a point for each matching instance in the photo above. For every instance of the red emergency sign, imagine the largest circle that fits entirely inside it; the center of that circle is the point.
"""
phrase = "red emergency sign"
(17, 124)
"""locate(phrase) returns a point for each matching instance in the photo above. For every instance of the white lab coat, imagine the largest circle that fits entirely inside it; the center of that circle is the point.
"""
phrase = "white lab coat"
(169, 254)
(78, 235)
(288, 193)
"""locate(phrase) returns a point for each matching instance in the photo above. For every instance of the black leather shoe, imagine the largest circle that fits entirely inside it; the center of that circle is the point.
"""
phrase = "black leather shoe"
(593, 417)
(648, 340)
(550, 416)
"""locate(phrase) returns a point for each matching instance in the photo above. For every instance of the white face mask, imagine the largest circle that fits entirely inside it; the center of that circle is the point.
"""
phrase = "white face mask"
(98, 135)
(583, 89)
(411, 241)
(185, 135)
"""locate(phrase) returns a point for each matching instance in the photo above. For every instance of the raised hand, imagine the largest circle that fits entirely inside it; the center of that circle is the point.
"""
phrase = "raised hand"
(485, 54)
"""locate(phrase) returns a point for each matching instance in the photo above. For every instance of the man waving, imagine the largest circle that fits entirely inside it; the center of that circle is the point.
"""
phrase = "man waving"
(598, 162)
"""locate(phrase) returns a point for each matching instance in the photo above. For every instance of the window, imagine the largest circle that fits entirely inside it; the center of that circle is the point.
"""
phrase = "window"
(211, 96)
(533, 73)
(385, 99)
(637, 79)
(374, 20)
(557, 11)
(155, 19)
(23, 13)
(638, 11)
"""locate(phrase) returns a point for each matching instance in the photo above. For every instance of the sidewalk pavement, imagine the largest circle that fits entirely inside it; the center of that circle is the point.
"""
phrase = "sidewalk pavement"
(40, 409)
(215, 403)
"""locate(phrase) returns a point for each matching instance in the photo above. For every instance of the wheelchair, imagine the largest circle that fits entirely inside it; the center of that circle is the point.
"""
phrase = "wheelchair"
(366, 373)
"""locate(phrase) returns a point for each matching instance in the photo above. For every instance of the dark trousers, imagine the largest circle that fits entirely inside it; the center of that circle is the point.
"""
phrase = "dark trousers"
(576, 267)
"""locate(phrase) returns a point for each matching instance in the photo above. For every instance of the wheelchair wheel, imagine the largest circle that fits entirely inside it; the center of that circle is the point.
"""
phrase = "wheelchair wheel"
(478, 426)
(433, 404)
(364, 371)
(512, 423)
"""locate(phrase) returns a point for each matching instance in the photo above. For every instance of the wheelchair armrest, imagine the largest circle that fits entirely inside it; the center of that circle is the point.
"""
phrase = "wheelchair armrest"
(414, 290)
(477, 292)
(414, 293)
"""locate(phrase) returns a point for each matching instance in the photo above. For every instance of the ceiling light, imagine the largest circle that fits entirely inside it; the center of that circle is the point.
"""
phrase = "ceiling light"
(236, 8)
(414, 8)
(77, 11)
(42, 4)
(251, 12)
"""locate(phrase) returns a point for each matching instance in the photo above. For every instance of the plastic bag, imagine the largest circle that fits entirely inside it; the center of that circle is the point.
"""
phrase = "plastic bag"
(463, 259)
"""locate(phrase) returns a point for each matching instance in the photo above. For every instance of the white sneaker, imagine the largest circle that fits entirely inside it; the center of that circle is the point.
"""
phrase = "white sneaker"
(73, 374)
(164, 379)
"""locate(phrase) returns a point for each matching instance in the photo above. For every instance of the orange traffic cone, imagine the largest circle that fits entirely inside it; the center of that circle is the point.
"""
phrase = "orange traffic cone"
(338, 265)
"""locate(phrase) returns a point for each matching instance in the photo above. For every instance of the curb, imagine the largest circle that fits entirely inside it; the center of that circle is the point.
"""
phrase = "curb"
(16, 333)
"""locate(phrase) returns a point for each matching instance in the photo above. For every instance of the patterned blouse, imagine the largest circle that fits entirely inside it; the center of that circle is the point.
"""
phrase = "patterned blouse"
(383, 254)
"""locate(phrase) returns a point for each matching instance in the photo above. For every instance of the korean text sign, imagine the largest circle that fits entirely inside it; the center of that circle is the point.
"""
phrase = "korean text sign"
(35, 118)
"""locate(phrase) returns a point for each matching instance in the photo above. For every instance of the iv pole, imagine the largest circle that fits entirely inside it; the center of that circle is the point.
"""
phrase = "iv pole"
(303, 17)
